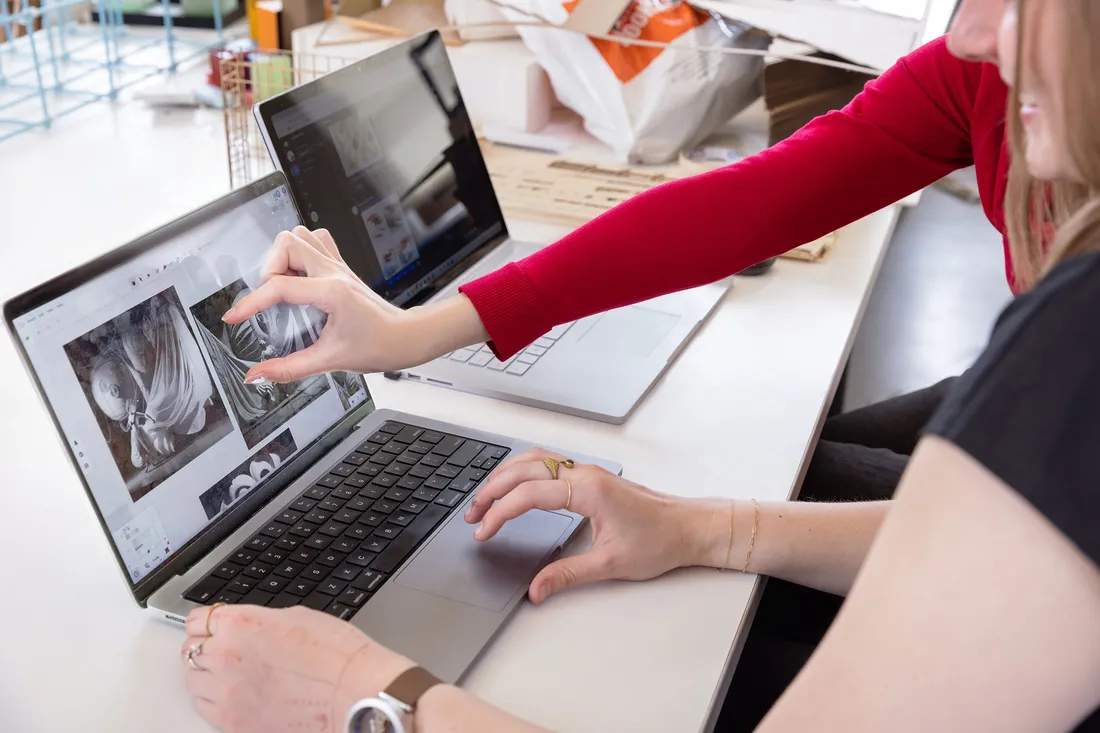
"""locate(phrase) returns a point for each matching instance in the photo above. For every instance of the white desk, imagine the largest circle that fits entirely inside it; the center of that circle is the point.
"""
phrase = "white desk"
(735, 416)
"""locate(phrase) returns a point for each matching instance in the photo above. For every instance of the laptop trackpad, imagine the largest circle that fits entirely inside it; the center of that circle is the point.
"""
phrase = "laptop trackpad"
(485, 574)
(634, 331)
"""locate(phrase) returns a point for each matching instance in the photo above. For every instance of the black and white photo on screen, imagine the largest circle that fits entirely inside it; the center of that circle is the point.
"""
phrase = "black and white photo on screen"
(249, 475)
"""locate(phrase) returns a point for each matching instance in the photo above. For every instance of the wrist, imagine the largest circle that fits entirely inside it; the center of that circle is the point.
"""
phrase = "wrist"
(704, 527)
(442, 327)
(370, 671)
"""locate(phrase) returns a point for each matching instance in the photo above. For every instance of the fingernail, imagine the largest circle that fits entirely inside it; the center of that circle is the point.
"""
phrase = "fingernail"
(479, 533)
(469, 512)
(258, 379)
(228, 314)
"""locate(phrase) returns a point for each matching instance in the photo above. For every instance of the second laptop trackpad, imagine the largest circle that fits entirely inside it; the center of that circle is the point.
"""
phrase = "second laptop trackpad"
(485, 574)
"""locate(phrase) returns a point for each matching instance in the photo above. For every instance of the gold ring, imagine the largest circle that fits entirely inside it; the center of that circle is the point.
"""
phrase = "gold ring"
(209, 614)
(553, 463)
(569, 496)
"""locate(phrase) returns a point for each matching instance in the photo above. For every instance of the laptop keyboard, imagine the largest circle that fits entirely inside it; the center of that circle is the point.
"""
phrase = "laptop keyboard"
(333, 546)
(519, 364)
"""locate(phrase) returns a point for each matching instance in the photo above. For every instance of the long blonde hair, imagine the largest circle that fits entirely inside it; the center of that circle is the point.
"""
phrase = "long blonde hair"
(1049, 221)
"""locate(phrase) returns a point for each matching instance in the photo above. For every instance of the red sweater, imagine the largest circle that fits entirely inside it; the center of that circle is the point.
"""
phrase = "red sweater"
(930, 114)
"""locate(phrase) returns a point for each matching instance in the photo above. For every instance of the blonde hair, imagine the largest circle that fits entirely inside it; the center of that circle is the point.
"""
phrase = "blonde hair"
(1049, 221)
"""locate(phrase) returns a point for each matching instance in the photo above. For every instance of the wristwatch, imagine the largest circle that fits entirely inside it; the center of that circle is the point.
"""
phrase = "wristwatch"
(394, 706)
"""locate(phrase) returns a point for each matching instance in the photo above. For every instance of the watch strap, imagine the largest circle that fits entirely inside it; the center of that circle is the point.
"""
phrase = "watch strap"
(410, 686)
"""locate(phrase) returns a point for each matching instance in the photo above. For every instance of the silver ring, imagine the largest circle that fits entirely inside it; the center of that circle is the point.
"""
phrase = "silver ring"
(193, 651)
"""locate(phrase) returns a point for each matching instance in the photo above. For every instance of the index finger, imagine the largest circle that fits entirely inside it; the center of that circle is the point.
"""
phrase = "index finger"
(281, 289)
(291, 253)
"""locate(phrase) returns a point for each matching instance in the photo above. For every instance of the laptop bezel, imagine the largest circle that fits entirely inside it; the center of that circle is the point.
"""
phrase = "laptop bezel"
(264, 111)
(224, 526)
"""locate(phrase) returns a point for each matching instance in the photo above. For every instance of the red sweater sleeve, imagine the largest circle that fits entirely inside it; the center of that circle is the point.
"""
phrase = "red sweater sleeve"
(907, 129)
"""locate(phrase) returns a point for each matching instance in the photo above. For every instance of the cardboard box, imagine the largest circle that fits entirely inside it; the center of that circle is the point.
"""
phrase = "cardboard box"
(796, 92)
(298, 14)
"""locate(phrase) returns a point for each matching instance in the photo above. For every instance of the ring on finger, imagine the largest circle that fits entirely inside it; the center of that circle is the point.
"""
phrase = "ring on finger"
(193, 651)
(553, 464)
(569, 495)
(209, 614)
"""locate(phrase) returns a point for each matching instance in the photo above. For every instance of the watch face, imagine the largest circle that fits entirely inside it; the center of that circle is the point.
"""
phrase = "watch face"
(377, 722)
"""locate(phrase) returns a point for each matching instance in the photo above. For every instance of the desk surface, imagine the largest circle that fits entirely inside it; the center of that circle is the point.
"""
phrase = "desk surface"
(735, 416)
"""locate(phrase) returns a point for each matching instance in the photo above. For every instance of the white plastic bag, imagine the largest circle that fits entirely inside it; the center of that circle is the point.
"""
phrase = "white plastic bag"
(647, 103)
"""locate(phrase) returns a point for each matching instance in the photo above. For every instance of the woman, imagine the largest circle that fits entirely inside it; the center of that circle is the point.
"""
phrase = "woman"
(935, 111)
(972, 605)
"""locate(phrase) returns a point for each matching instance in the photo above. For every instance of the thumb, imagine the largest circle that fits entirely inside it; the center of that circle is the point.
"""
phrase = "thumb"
(566, 573)
(299, 365)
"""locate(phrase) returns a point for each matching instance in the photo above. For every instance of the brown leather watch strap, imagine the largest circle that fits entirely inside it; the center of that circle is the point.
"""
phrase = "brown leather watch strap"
(411, 685)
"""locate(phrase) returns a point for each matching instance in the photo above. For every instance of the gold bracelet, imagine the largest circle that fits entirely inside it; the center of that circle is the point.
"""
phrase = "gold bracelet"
(752, 537)
(729, 543)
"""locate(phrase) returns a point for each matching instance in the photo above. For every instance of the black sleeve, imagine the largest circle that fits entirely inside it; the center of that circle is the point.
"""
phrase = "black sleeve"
(1029, 409)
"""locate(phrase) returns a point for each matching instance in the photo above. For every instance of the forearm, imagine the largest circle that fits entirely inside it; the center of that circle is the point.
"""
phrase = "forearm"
(819, 545)
(443, 327)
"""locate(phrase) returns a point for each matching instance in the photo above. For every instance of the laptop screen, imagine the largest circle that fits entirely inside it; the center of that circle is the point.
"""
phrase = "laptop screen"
(383, 155)
(145, 381)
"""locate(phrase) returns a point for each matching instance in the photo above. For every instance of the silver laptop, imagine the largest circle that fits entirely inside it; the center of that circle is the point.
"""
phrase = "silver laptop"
(383, 155)
(302, 494)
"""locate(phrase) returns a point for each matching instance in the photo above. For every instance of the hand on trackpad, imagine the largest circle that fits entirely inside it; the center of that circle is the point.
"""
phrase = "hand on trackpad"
(485, 574)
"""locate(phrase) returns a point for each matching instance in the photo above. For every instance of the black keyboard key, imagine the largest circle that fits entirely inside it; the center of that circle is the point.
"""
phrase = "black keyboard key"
(333, 529)
(462, 484)
(359, 504)
(409, 538)
(317, 516)
(340, 611)
(468, 452)
(346, 516)
(304, 556)
(257, 597)
(490, 464)
(288, 517)
(288, 542)
(289, 569)
(387, 531)
(205, 590)
(330, 559)
(426, 494)
(226, 571)
(369, 449)
(398, 495)
(448, 472)
(303, 505)
(317, 601)
(358, 532)
(284, 600)
(370, 470)
(362, 558)
(347, 572)
(241, 585)
(330, 481)
(407, 459)
(303, 529)
(391, 428)
(432, 437)
(409, 434)
(398, 469)
(382, 437)
(332, 587)
(437, 482)
(410, 483)
(258, 570)
(481, 458)
(382, 459)
(375, 545)
(319, 541)
(228, 596)
(344, 544)
(433, 460)
(317, 492)
(300, 587)
(420, 471)
(402, 518)
(273, 585)
(273, 556)
(258, 543)
(355, 459)
(243, 557)
(474, 474)
(343, 470)
(449, 498)
(315, 574)
(420, 447)
(356, 482)
(374, 492)
(497, 452)
(414, 506)
(394, 449)
(385, 506)
(329, 505)
(344, 493)
(372, 519)
(369, 580)
(448, 446)
(354, 597)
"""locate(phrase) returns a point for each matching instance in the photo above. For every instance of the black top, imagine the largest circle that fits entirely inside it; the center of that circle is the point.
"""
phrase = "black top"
(1029, 409)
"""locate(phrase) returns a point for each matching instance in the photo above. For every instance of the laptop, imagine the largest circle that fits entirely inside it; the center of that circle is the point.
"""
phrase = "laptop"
(383, 155)
(211, 490)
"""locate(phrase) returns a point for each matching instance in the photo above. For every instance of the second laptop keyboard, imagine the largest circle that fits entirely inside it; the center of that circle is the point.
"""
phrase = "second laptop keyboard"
(332, 547)
(519, 364)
